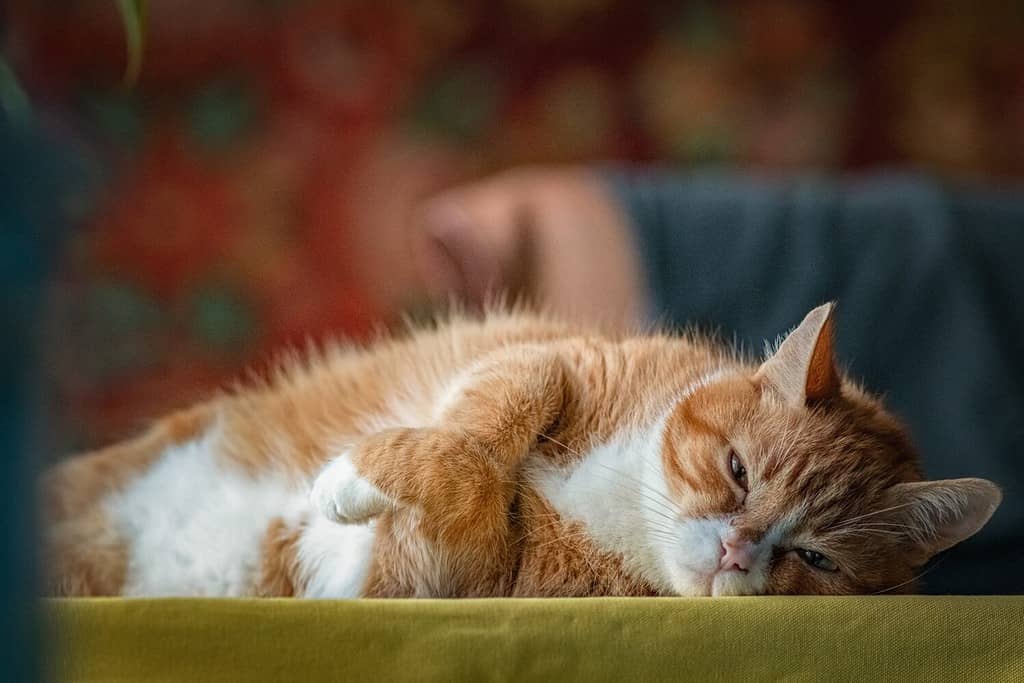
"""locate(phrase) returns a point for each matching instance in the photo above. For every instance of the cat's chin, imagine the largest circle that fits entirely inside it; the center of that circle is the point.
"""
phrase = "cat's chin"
(726, 583)
(690, 566)
(691, 582)
(687, 582)
(717, 586)
(700, 588)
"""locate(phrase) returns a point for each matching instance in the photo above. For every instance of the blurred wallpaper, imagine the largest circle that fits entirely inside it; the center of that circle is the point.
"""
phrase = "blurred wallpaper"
(253, 189)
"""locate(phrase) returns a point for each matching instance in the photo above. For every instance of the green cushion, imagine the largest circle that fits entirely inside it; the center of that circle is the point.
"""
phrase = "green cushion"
(646, 639)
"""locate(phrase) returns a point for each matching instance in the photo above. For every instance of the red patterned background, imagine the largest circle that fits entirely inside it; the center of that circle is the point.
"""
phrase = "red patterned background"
(253, 188)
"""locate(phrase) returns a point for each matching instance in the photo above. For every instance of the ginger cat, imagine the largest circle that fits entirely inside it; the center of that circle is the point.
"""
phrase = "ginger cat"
(516, 456)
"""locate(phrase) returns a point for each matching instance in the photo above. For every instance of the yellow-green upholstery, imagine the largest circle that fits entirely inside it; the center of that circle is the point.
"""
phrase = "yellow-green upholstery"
(914, 638)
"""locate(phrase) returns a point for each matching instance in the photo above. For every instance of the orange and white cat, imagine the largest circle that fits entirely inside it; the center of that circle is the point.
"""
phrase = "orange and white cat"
(516, 456)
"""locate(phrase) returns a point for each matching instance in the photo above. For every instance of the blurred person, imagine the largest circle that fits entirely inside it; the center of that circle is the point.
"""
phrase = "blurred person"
(927, 275)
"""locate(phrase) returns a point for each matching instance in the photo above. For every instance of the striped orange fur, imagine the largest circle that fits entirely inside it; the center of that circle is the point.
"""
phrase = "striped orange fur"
(513, 456)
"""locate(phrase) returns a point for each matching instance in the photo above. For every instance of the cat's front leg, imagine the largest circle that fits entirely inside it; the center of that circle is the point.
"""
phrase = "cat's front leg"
(460, 473)
(343, 495)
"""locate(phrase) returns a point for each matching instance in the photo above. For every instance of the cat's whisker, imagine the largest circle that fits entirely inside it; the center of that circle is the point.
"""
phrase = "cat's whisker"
(663, 499)
(576, 535)
(543, 527)
(653, 525)
(671, 503)
(871, 514)
(566, 446)
(867, 533)
(584, 534)
(664, 506)
(664, 535)
(659, 509)
(912, 579)
(879, 524)
(653, 510)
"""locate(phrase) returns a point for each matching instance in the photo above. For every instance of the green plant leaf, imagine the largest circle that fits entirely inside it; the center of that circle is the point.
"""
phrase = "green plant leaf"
(133, 14)
(13, 99)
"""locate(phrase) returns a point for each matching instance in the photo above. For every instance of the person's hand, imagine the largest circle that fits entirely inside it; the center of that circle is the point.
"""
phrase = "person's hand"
(555, 237)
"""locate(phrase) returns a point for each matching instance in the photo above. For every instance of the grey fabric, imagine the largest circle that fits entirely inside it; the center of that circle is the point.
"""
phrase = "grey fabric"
(930, 284)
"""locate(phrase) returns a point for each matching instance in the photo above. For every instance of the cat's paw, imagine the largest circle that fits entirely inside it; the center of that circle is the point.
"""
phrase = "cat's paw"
(342, 495)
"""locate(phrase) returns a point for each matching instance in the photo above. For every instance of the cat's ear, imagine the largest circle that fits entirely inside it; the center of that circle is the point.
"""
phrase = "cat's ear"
(936, 515)
(803, 369)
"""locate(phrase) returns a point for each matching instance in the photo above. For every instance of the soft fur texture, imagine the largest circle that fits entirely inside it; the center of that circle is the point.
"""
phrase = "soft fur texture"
(516, 456)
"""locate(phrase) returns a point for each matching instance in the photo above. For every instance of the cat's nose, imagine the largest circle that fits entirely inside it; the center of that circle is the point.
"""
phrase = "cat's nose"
(736, 555)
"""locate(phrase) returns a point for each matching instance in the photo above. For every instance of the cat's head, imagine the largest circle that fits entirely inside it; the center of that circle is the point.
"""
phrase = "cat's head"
(791, 479)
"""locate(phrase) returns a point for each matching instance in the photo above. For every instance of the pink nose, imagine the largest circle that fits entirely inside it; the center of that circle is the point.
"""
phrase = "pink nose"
(736, 554)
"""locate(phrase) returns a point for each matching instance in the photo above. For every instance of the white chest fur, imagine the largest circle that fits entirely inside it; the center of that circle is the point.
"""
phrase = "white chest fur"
(617, 492)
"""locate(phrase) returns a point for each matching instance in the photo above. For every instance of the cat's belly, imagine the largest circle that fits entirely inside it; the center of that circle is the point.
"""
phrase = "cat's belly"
(194, 526)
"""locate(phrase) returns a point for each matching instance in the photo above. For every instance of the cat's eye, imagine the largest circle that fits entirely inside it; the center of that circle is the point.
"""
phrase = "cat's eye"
(816, 560)
(739, 472)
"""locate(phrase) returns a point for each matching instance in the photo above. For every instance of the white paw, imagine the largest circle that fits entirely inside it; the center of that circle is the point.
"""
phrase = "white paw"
(343, 496)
